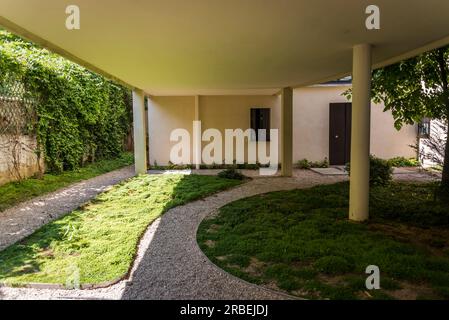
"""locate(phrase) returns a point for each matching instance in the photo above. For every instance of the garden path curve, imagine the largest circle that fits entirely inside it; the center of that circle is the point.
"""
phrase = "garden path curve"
(170, 265)
(22, 220)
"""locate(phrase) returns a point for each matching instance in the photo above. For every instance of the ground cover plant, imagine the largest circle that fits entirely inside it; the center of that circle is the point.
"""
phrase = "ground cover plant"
(302, 243)
(99, 240)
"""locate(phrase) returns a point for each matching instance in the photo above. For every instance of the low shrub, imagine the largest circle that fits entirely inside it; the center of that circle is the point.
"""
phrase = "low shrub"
(171, 166)
(403, 162)
(380, 171)
(241, 166)
(248, 166)
(320, 164)
(217, 166)
(303, 164)
(306, 164)
(231, 174)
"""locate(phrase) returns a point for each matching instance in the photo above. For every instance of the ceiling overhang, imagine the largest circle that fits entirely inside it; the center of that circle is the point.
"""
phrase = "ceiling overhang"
(174, 47)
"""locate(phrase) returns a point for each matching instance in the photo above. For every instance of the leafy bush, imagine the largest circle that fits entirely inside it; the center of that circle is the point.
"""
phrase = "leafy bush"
(303, 164)
(231, 174)
(320, 164)
(217, 166)
(306, 164)
(247, 166)
(171, 166)
(403, 162)
(82, 117)
(380, 171)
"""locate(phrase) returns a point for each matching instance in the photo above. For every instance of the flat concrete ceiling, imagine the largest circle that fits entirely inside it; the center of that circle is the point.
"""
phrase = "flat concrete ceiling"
(187, 47)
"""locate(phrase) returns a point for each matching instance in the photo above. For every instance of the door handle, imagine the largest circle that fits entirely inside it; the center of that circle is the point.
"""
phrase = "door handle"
(336, 136)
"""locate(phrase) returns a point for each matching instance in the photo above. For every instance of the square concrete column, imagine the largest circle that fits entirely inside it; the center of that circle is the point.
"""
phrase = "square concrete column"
(360, 133)
(140, 137)
(287, 132)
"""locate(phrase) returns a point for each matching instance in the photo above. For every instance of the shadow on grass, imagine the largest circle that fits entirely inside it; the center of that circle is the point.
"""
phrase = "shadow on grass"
(301, 242)
(19, 258)
(165, 271)
(101, 237)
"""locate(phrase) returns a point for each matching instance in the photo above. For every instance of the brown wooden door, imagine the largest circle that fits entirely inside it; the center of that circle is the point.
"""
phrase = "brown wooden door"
(339, 133)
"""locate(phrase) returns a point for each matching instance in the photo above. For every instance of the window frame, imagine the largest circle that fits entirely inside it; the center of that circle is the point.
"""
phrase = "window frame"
(424, 123)
(255, 124)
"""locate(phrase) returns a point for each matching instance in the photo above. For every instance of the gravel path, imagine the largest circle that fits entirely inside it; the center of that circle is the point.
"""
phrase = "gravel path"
(174, 267)
(22, 220)
(415, 174)
(170, 264)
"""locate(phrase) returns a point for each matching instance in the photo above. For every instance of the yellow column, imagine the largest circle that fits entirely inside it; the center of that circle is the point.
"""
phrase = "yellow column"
(287, 132)
(360, 133)
(140, 137)
(197, 134)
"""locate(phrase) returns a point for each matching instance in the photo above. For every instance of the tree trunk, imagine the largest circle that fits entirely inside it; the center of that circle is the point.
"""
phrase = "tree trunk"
(444, 79)
(445, 176)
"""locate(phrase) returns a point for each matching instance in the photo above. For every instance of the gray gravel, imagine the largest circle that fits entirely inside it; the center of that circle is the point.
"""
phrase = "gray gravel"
(173, 266)
(22, 220)
(170, 265)
(415, 174)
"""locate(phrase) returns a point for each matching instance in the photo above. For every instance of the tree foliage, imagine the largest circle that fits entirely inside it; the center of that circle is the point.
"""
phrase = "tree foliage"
(81, 115)
(415, 88)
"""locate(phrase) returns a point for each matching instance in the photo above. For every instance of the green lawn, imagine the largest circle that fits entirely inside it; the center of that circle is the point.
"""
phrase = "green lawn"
(301, 242)
(100, 239)
(15, 192)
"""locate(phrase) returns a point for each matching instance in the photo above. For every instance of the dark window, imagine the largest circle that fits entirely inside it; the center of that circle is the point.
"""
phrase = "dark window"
(424, 128)
(260, 119)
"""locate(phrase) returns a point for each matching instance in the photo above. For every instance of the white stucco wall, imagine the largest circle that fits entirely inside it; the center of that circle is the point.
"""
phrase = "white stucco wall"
(432, 148)
(220, 112)
(164, 115)
(311, 126)
(310, 123)
(233, 112)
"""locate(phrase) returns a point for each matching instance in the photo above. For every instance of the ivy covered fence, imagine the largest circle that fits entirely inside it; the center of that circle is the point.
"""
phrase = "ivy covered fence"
(81, 116)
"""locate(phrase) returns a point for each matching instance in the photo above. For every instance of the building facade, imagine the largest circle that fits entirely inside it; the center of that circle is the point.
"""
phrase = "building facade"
(321, 123)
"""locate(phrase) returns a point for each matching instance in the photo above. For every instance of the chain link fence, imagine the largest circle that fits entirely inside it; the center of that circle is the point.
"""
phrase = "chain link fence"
(18, 119)
(17, 108)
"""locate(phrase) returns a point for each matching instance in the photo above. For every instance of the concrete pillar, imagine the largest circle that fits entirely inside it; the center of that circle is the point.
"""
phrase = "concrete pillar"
(197, 134)
(287, 132)
(360, 133)
(140, 137)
